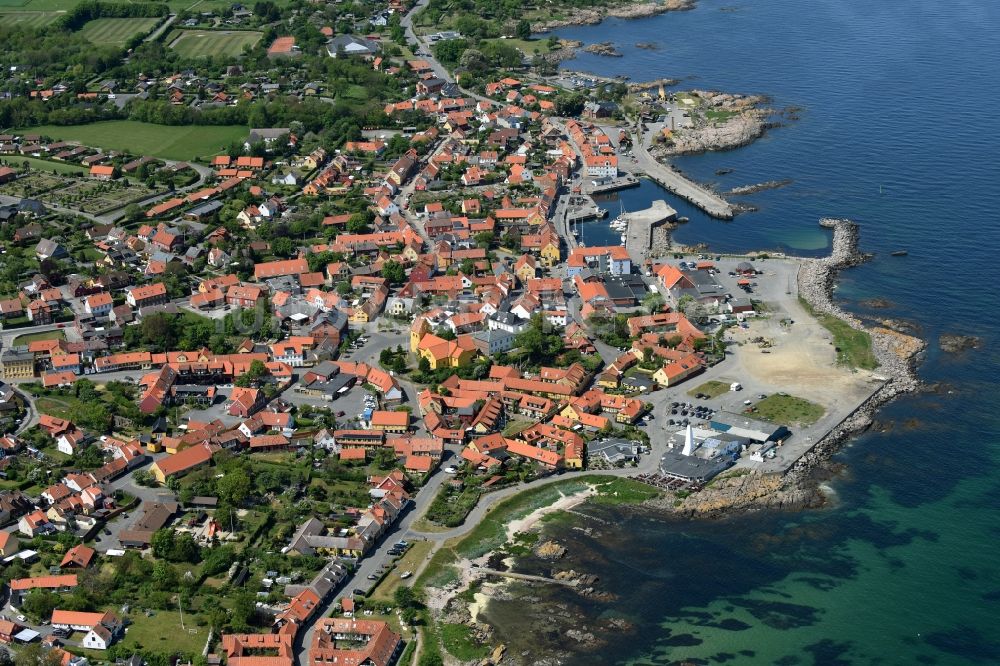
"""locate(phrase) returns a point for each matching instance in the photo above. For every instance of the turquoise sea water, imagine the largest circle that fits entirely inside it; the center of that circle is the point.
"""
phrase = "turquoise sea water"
(903, 569)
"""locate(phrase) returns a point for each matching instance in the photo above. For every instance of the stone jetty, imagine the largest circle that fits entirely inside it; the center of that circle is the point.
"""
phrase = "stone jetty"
(682, 186)
(642, 228)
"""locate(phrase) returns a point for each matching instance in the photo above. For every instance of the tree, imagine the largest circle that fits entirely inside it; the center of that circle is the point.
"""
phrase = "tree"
(423, 365)
(40, 603)
(33, 654)
(162, 543)
(234, 487)
(405, 597)
(540, 342)
(523, 30)
(282, 246)
(484, 239)
(393, 271)
(242, 613)
(164, 576)
(653, 302)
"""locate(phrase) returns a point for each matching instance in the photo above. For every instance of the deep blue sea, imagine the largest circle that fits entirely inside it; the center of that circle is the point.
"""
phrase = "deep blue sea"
(899, 130)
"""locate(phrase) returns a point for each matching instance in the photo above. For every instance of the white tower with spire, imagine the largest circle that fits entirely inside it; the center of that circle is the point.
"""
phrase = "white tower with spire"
(688, 441)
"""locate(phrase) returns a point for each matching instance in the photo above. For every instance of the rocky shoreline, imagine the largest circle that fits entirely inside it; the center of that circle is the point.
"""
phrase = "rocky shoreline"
(581, 16)
(896, 354)
(748, 119)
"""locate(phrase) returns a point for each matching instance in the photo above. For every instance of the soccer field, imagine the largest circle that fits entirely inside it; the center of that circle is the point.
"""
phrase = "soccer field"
(203, 43)
(116, 31)
(165, 141)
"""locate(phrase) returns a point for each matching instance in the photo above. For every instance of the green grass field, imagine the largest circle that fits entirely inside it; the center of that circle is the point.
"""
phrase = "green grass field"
(36, 164)
(26, 19)
(31, 337)
(788, 410)
(712, 388)
(205, 43)
(64, 5)
(116, 31)
(165, 141)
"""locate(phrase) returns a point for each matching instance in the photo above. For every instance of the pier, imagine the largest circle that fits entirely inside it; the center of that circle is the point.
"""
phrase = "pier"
(641, 223)
(622, 182)
(680, 185)
(527, 577)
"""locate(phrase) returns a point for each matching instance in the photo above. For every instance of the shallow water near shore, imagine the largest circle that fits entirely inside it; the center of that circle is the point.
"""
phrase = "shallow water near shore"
(898, 131)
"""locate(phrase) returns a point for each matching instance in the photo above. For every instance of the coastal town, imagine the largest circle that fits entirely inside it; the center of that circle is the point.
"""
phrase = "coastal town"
(254, 388)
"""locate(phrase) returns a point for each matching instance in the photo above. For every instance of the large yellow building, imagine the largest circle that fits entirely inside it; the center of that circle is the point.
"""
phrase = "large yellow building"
(18, 364)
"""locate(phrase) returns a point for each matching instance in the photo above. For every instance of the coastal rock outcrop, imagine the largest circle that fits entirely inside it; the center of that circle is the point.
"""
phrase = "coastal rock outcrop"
(953, 343)
(722, 121)
(759, 187)
(550, 550)
(606, 49)
(587, 16)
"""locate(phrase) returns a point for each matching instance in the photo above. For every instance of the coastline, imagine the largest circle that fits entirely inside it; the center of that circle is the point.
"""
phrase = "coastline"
(800, 486)
(625, 11)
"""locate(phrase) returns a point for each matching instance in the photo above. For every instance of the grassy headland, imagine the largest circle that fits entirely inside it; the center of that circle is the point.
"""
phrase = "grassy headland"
(854, 347)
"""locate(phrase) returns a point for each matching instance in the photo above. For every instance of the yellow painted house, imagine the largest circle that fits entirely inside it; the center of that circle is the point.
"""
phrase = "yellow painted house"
(550, 254)
(441, 353)
(418, 329)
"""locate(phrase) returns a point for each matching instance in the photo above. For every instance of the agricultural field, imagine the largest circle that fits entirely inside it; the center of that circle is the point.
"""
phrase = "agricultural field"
(25, 19)
(163, 141)
(206, 43)
(116, 31)
(65, 5)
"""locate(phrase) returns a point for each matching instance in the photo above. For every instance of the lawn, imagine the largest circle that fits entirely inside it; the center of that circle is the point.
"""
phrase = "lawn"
(36, 164)
(787, 409)
(528, 47)
(516, 426)
(411, 561)
(31, 337)
(163, 632)
(165, 141)
(59, 407)
(854, 347)
(203, 43)
(460, 643)
(712, 388)
(26, 19)
(116, 31)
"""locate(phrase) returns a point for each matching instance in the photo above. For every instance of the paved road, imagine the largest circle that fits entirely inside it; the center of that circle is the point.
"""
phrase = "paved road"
(163, 27)
(424, 51)
(376, 559)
